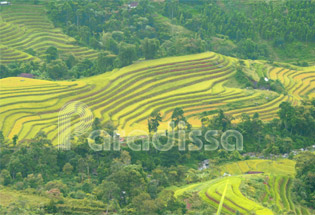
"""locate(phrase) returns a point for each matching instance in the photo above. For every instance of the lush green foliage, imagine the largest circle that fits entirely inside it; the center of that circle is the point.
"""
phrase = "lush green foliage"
(304, 186)
(251, 25)
(254, 27)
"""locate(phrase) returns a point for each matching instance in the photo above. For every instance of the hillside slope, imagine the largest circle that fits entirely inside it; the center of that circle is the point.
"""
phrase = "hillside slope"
(26, 26)
(262, 194)
(197, 83)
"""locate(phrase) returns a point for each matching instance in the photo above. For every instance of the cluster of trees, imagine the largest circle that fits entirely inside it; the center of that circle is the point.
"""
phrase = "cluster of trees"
(115, 27)
(294, 129)
(56, 66)
(108, 25)
(111, 24)
(116, 178)
(247, 24)
(284, 22)
(304, 185)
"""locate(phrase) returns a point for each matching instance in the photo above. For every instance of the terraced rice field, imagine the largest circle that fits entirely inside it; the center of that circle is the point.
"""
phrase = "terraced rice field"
(283, 167)
(10, 55)
(234, 201)
(297, 83)
(275, 199)
(128, 96)
(25, 26)
(278, 193)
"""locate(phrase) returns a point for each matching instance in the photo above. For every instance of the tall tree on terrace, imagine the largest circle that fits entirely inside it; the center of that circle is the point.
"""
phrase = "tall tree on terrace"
(221, 121)
(127, 53)
(154, 121)
(150, 48)
(96, 124)
(51, 54)
(177, 116)
(251, 128)
(287, 115)
(1, 138)
(105, 62)
(15, 139)
(57, 69)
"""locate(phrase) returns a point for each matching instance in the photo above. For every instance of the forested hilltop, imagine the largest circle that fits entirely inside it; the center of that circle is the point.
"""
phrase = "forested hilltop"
(256, 30)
